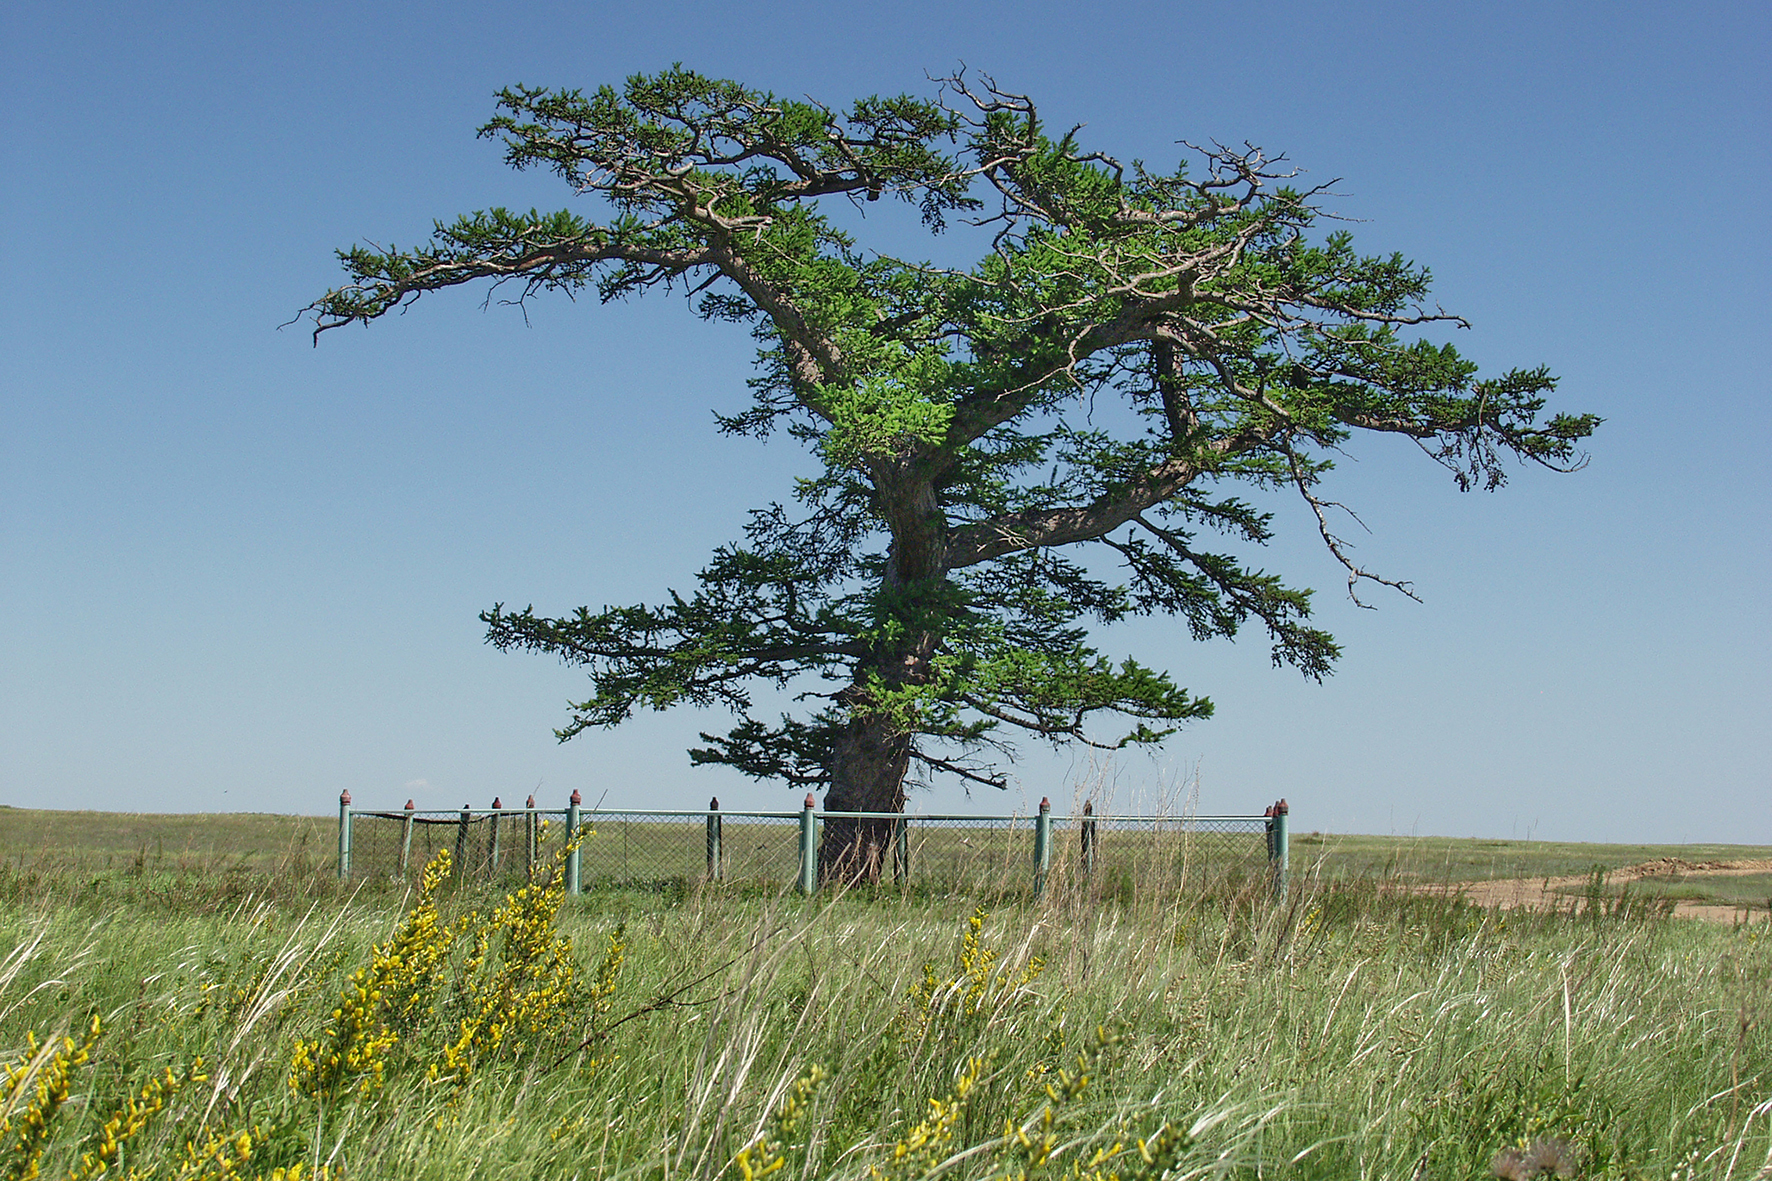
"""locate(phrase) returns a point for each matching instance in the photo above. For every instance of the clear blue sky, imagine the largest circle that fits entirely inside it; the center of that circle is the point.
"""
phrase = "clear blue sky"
(238, 572)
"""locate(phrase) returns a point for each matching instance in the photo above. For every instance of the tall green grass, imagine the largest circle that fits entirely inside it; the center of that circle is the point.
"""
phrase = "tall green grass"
(1358, 1030)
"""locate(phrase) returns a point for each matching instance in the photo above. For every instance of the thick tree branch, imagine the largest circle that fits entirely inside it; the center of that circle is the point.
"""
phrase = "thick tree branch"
(980, 542)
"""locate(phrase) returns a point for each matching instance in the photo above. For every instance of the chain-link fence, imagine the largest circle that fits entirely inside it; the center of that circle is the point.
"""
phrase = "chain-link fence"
(975, 854)
(1117, 854)
(483, 843)
(970, 854)
(637, 848)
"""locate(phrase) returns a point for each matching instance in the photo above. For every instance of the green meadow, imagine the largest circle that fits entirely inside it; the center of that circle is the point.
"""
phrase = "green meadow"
(199, 997)
(307, 844)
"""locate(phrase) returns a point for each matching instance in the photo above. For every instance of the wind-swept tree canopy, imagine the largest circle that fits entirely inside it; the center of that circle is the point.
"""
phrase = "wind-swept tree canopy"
(931, 590)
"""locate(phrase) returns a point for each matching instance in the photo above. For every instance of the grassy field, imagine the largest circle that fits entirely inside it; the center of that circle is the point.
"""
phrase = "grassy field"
(1455, 859)
(1362, 1029)
(212, 843)
(301, 844)
(1752, 891)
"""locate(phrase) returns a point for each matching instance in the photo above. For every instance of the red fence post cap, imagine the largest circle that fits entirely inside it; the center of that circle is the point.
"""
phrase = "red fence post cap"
(1281, 808)
(495, 803)
(344, 797)
(714, 804)
(530, 802)
(576, 798)
(1088, 808)
(1045, 804)
(810, 802)
(409, 807)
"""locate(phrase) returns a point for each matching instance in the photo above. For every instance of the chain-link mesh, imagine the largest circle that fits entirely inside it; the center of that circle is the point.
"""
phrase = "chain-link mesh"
(487, 845)
(1116, 854)
(647, 848)
(762, 847)
(972, 854)
(968, 854)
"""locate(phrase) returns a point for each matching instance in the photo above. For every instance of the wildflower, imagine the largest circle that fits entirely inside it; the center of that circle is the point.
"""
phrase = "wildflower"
(519, 980)
(603, 992)
(767, 1151)
(977, 986)
(42, 1073)
(1029, 1145)
(221, 1158)
(137, 1110)
(922, 1148)
(391, 995)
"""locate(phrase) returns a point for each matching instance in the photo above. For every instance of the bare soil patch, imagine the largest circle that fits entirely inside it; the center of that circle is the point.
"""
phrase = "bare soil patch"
(1545, 893)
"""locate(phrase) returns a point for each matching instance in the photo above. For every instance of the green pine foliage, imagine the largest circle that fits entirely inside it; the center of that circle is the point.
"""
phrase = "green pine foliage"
(936, 583)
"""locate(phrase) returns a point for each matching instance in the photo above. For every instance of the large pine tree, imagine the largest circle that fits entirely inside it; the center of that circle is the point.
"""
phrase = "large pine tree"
(929, 587)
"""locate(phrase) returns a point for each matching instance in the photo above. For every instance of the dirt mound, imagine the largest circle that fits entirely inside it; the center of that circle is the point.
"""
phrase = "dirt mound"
(1674, 867)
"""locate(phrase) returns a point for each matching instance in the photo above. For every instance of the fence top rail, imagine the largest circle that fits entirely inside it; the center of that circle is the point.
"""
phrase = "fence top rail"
(1170, 818)
(1018, 817)
(454, 815)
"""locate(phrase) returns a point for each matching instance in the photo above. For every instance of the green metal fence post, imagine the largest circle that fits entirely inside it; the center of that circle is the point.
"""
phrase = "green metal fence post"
(531, 838)
(572, 863)
(714, 866)
(406, 840)
(808, 847)
(492, 842)
(1087, 837)
(1282, 855)
(901, 851)
(344, 833)
(461, 842)
(1042, 845)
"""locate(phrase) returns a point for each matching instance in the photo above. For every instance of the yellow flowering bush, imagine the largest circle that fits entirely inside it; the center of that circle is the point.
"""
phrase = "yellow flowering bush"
(1054, 1141)
(1031, 1148)
(32, 1094)
(133, 1114)
(389, 996)
(975, 988)
(517, 985)
(35, 1090)
(451, 996)
(220, 1157)
(920, 1150)
(767, 1151)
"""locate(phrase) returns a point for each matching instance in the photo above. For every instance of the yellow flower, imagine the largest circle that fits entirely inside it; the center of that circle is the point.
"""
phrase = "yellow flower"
(42, 1073)
(767, 1152)
(975, 990)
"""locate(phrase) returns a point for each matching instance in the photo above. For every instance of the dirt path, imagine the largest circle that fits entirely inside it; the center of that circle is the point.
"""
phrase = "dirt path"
(1542, 893)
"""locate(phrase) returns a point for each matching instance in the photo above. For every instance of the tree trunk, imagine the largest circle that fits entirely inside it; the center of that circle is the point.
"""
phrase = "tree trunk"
(870, 758)
(867, 775)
